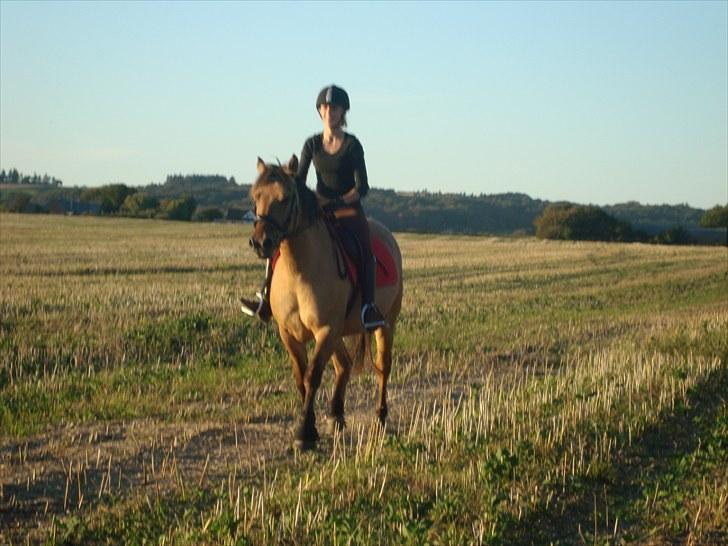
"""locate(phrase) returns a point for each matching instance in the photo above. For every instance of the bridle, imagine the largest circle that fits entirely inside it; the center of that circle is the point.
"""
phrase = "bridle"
(283, 229)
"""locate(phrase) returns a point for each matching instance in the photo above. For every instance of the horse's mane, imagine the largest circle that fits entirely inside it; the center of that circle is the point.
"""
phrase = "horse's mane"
(310, 207)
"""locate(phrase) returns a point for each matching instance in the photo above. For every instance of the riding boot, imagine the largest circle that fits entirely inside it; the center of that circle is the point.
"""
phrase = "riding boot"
(261, 307)
(371, 317)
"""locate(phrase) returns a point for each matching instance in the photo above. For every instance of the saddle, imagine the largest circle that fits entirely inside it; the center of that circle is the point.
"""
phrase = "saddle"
(386, 270)
(349, 256)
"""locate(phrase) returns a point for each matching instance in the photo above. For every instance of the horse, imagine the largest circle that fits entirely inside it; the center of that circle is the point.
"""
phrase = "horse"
(309, 299)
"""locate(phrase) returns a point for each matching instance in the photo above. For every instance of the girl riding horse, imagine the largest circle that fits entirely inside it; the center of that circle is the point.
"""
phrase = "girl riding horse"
(311, 300)
(341, 174)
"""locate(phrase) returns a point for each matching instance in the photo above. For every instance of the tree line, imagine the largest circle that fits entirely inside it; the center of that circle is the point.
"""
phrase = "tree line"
(567, 221)
(13, 176)
(216, 197)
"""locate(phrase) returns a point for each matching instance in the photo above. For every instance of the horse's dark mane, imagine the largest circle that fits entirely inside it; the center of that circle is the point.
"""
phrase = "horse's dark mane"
(309, 204)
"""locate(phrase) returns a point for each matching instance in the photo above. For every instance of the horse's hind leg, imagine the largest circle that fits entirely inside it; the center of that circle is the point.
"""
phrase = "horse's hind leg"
(383, 365)
(342, 366)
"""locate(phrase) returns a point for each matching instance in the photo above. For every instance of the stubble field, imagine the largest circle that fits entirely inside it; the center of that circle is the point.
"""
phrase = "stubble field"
(541, 393)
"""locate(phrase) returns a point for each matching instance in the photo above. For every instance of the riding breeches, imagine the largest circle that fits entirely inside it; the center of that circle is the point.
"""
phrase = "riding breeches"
(352, 219)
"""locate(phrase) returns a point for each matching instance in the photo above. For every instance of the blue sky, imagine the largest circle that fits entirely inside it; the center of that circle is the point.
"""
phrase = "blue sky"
(594, 102)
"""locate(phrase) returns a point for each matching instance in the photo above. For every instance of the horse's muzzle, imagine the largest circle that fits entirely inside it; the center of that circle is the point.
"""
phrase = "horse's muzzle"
(263, 249)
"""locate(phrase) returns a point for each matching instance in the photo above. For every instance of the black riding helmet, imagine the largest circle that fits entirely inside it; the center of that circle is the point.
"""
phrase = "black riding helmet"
(333, 95)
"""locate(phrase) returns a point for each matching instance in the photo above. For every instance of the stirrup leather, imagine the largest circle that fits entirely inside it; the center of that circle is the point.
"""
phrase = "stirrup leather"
(370, 325)
(253, 312)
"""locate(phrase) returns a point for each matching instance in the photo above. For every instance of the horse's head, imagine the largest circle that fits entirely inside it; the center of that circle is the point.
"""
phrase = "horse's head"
(277, 205)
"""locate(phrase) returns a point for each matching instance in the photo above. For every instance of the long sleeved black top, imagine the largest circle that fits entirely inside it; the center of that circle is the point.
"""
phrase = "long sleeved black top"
(338, 173)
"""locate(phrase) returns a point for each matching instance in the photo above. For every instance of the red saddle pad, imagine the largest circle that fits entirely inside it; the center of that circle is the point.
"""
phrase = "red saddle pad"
(386, 268)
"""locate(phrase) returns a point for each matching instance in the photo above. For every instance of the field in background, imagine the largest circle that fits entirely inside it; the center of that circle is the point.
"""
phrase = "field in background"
(542, 392)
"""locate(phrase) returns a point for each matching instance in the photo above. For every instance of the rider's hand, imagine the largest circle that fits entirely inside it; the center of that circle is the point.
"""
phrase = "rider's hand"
(350, 197)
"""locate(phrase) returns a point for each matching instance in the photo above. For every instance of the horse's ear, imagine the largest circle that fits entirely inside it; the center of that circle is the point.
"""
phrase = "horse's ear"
(292, 166)
(261, 166)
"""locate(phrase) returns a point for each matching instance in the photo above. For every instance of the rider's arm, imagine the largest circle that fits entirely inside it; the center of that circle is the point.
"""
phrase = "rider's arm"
(361, 184)
(304, 163)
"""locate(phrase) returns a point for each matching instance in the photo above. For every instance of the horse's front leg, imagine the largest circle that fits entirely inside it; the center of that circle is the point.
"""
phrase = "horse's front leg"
(299, 359)
(342, 366)
(307, 435)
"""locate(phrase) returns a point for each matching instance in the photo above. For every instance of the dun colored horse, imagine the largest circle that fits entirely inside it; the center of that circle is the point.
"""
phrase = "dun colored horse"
(309, 299)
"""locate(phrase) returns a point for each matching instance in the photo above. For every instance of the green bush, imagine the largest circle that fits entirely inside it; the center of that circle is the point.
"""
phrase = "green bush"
(673, 236)
(715, 217)
(178, 209)
(110, 197)
(581, 223)
(209, 215)
(140, 204)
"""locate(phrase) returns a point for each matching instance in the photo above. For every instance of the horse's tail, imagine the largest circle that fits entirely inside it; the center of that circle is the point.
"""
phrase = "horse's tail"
(362, 352)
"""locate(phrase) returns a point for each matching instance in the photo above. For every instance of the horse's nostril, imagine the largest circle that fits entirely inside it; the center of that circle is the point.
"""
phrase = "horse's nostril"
(251, 242)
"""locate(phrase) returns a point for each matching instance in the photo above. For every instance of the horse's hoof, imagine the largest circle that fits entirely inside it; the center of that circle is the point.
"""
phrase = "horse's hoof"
(382, 415)
(305, 438)
(336, 424)
(304, 445)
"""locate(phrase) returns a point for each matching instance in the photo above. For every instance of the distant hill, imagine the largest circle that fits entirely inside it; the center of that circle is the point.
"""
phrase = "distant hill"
(655, 218)
(208, 190)
(454, 213)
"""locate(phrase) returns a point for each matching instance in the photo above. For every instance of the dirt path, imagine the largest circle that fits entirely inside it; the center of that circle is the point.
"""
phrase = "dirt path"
(70, 470)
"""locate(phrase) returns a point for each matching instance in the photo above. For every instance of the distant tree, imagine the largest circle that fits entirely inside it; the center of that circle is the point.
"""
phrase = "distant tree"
(235, 214)
(110, 197)
(674, 236)
(178, 209)
(197, 181)
(19, 203)
(553, 223)
(580, 223)
(140, 204)
(13, 176)
(655, 218)
(716, 217)
(209, 215)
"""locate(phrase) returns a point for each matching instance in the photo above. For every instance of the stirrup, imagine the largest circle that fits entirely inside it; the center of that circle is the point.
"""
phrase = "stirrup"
(369, 326)
(245, 308)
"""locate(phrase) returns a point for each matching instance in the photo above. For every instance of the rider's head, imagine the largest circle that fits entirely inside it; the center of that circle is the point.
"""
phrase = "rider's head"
(333, 102)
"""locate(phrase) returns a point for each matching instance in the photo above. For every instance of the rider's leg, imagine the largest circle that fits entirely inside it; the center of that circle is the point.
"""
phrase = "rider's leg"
(371, 317)
(354, 220)
(261, 306)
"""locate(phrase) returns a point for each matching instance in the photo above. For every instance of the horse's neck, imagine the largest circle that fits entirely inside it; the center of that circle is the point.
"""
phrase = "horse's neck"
(309, 250)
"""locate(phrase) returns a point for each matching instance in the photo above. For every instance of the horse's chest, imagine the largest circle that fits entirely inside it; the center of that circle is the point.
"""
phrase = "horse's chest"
(303, 305)
(288, 314)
